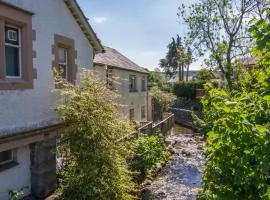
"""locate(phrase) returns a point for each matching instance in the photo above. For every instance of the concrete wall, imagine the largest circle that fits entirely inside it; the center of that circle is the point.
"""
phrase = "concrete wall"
(17, 178)
(28, 109)
(129, 100)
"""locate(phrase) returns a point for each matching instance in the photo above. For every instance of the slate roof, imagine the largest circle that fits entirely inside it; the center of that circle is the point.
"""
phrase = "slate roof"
(113, 58)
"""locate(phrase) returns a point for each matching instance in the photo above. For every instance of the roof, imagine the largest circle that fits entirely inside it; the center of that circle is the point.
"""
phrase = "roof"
(113, 58)
(83, 23)
(250, 60)
(191, 75)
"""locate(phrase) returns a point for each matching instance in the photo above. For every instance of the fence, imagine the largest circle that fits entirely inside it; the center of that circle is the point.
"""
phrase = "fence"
(151, 128)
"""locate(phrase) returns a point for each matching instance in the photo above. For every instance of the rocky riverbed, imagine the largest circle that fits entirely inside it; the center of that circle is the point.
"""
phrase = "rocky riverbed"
(181, 178)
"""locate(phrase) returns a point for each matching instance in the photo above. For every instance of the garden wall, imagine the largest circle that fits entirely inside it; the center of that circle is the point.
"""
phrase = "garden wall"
(184, 117)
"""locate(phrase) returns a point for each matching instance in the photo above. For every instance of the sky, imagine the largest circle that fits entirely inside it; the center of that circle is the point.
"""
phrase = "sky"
(139, 29)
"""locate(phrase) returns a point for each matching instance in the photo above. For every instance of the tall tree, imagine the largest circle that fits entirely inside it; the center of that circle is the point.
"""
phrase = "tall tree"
(219, 27)
(176, 58)
(188, 61)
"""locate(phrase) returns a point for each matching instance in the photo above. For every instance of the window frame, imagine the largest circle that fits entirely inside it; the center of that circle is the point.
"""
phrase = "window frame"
(143, 82)
(69, 44)
(143, 113)
(132, 86)
(7, 161)
(133, 111)
(66, 61)
(21, 19)
(109, 77)
(19, 47)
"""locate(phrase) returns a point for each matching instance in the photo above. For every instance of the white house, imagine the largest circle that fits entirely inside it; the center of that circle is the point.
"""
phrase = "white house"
(130, 82)
(35, 37)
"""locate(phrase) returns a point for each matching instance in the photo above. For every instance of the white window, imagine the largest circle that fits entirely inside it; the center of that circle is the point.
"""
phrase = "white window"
(63, 62)
(6, 157)
(12, 52)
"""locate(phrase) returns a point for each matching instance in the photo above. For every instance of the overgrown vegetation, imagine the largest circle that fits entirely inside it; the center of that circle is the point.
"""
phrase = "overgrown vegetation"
(96, 163)
(165, 99)
(157, 78)
(149, 150)
(237, 123)
(187, 89)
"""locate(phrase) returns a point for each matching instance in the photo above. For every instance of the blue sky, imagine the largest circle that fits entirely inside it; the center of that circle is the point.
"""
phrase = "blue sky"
(140, 29)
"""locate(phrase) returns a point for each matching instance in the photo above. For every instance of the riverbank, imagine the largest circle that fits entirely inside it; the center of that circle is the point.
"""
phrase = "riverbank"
(181, 178)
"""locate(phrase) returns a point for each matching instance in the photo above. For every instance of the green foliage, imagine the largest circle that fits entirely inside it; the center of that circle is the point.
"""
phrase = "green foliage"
(96, 163)
(14, 195)
(149, 150)
(204, 75)
(178, 57)
(165, 99)
(155, 78)
(238, 145)
(219, 29)
(187, 89)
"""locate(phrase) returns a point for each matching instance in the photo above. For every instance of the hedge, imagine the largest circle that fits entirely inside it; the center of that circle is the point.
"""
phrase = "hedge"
(187, 89)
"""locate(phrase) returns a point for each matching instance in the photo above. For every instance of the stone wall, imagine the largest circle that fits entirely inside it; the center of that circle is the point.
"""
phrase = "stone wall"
(184, 117)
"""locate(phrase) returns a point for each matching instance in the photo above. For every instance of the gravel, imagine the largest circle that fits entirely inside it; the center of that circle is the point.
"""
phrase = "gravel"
(181, 178)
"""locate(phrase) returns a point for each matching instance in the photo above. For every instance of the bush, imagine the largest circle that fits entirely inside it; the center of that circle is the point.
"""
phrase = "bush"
(187, 89)
(96, 163)
(164, 99)
(149, 150)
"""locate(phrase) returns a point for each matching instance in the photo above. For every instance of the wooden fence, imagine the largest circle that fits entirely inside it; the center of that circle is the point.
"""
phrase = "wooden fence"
(151, 128)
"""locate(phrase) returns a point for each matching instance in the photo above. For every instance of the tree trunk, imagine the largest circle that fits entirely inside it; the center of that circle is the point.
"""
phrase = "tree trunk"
(187, 72)
(180, 72)
(183, 72)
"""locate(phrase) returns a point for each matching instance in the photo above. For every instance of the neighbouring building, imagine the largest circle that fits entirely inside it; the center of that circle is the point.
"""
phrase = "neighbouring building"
(191, 76)
(36, 36)
(128, 79)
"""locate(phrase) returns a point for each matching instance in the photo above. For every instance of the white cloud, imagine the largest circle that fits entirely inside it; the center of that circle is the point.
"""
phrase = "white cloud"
(99, 20)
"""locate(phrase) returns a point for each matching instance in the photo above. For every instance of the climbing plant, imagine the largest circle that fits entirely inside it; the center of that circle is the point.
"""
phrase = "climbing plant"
(96, 163)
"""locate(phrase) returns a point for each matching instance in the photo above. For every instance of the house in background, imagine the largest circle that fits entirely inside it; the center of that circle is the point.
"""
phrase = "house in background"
(36, 36)
(131, 83)
(191, 76)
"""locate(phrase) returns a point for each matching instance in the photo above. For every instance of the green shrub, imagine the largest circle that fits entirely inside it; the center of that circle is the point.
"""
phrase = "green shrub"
(149, 150)
(187, 89)
(165, 99)
(96, 163)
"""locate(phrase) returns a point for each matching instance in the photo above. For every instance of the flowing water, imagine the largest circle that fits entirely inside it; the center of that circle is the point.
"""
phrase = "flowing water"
(181, 178)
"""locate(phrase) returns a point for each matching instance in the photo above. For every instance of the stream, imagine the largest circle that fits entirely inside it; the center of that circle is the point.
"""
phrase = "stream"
(181, 177)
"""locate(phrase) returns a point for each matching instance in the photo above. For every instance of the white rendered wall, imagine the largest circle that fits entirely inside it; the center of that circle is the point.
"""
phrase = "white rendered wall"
(29, 109)
(129, 100)
(17, 178)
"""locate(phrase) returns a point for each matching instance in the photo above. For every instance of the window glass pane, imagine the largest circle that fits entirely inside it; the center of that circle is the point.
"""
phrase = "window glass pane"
(131, 114)
(62, 54)
(5, 156)
(12, 61)
(12, 35)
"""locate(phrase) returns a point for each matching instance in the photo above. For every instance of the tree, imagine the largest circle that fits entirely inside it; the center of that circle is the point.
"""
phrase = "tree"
(237, 126)
(157, 78)
(204, 75)
(178, 58)
(97, 167)
(219, 27)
